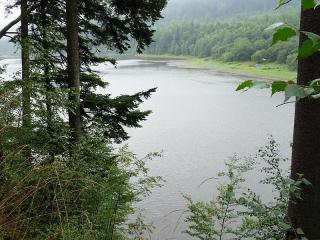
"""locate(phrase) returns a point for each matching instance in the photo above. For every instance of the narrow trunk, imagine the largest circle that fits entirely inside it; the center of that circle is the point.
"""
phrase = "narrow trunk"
(46, 71)
(73, 68)
(26, 89)
(305, 214)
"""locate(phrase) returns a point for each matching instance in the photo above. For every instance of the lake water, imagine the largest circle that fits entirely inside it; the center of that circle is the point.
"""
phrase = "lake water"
(198, 121)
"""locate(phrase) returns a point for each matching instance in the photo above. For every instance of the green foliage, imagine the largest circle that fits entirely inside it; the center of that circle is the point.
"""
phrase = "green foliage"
(87, 196)
(88, 193)
(308, 4)
(212, 10)
(51, 189)
(243, 39)
(289, 88)
(307, 49)
(237, 212)
(309, 46)
(283, 34)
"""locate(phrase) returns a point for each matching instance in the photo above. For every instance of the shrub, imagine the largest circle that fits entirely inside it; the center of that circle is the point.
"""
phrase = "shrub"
(238, 212)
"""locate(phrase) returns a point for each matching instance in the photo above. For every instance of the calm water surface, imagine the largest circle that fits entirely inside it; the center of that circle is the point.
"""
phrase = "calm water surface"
(198, 121)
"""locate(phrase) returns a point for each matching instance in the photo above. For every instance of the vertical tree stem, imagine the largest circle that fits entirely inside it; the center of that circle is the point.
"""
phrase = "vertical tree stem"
(305, 214)
(73, 68)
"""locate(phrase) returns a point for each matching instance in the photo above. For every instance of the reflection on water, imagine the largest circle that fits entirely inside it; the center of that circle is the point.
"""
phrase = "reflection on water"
(198, 121)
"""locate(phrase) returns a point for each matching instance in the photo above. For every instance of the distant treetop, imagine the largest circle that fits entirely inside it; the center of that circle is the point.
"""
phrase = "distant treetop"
(213, 9)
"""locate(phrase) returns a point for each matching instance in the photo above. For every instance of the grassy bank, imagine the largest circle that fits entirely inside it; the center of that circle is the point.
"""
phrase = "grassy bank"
(268, 70)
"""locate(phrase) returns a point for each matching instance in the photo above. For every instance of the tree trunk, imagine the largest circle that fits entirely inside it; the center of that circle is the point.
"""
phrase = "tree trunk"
(26, 86)
(46, 71)
(305, 214)
(73, 68)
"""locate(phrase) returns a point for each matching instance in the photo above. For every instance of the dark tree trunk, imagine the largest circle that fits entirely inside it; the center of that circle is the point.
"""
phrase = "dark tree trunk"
(26, 89)
(305, 214)
(73, 68)
(46, 71)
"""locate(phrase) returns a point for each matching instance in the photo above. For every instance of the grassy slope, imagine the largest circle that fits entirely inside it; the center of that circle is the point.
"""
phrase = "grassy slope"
(271, 70)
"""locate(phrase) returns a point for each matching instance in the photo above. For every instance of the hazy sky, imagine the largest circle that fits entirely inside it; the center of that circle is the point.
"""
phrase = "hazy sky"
(4, 17)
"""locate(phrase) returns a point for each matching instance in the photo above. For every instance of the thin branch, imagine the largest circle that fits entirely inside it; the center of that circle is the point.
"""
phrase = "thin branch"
(4, 31)
(286, 103)
(8, 36)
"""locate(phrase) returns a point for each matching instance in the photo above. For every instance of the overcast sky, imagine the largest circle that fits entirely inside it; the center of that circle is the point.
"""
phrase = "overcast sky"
(4, 17)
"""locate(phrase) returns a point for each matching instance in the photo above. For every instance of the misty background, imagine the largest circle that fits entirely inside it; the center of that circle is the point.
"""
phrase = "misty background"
(179, 10)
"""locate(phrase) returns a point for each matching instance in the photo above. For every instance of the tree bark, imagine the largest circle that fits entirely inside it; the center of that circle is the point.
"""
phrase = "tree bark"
(46, 71)
(26, 88)
(73, 68)
(305, 214)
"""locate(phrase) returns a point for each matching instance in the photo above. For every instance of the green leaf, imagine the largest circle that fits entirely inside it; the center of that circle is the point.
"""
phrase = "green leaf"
(300, 231)
(282, 2)
(294, 90)
(308, 4)
(300, 175)
(242, 201)
(245, 85)
(283, 34)
(278, 86)
(230, 188)
(309, 91)
(285, 226)
(306, 182)
(315, 38)
(253, 84)
(316, 96)
(307, 49)
(274, 26)
(315, 82)
(260, 84)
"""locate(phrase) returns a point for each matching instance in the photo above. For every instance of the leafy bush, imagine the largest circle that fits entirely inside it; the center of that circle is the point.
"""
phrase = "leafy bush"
(259, 56)
(237, 212)
(88, 192)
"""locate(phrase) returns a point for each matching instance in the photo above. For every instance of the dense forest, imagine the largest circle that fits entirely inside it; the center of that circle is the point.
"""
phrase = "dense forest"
(214, 9)
(244, 39)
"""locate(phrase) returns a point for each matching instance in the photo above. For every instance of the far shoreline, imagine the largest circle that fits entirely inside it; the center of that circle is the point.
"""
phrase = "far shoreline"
(269, 71)
(244, 70)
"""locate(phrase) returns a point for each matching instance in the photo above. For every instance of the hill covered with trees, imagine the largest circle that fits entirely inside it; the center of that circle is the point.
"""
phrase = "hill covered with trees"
(214, 9)
(228, 40)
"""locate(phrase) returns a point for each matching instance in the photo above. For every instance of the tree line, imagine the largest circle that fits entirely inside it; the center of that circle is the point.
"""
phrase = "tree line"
(214, 9)
(227, 40)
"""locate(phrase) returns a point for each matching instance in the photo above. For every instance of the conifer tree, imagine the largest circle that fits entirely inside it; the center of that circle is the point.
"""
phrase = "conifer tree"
(107, 25)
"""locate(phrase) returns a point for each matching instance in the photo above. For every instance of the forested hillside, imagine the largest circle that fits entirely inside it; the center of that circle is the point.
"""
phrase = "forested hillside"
(228, 40)
(213, 9)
